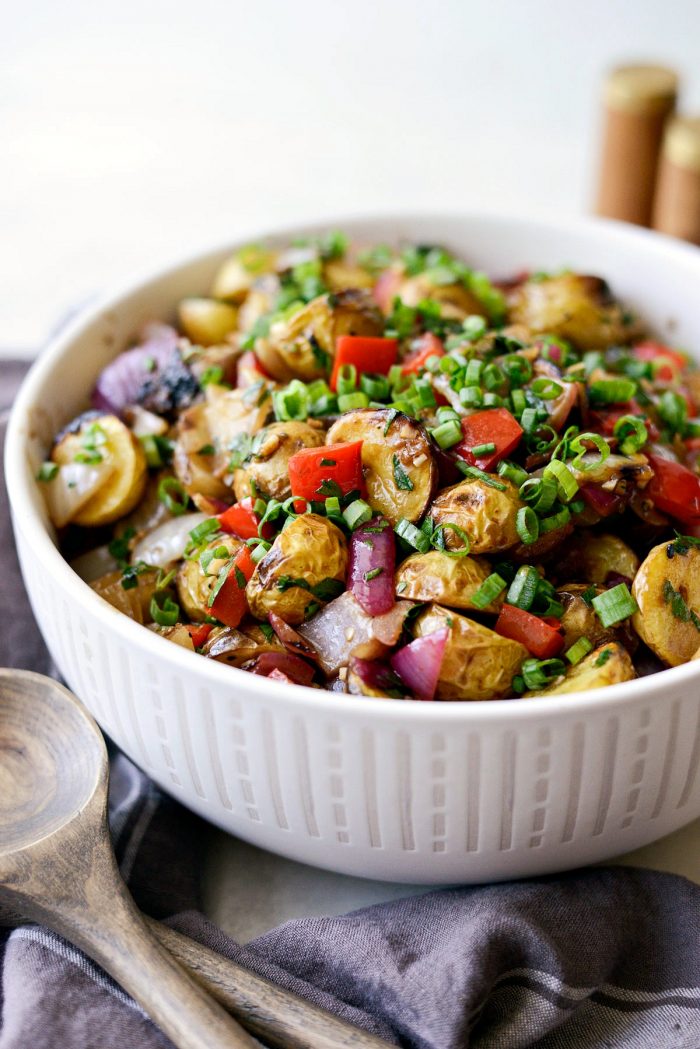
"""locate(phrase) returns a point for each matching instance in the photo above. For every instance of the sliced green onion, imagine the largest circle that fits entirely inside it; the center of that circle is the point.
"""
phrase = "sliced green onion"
(517, 369)
(631, 433)
(173, 495)
(474, 326)
(563, 479)
(259, 550)
(375, 386)
(578, 650)
(539, 672)
(445, 414)
(591, 360)
(413, 536)
(438, 539)
(292, 402)
(165, 614)
(471, 397)
(483, 449)
(348, 401)
(578, 446)
(480, 475)
(47, 472)
(540, 493)
(493, 377)
(614, 605)
(519, 401)
(555, 521)
(152, 451)
(493, 400)
(347, 379)
(489, 590)
(541, 439)
(611, 391)
(423, 392)
(447, 434)
(357, 513)
(523, 589)
(673, 410)
(529, 419)
(512, 472)
(546, 389)
(527, 525)
(518, 684)
(472, 374)
(577, 506)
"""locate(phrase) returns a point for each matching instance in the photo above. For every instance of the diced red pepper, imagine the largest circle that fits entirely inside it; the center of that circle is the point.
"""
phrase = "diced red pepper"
(386, 289)
(492, 426)
(604, 503)
(603, 420)
(367, 353)
(674, 489)
(656, 351)
(425, 346)
(249, 370)
(340, 465)
(540, 636)
(199, 632)
(230, 605)
(241, 520)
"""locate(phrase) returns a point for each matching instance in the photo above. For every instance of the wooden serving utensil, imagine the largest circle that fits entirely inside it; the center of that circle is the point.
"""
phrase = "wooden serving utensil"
(57, 867)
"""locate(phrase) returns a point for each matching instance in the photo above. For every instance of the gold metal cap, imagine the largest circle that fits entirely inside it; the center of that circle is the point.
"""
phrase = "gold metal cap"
(643, 89)
(682, 143)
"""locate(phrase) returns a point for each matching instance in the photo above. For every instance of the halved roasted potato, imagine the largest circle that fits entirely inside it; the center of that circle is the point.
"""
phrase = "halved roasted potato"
(594, 556)
(195, 583)
(237, 274)
(451, 581)
(667, 591)
(486, 513)
(206, 321)
(178, 634)
(607, 665)
(134, 602)
(267, 466)
(108, 441)
(341, 273)
(304, 568)
(478, 663)
(456, 301)
(397, 460)
(574, 307)
(302, 346)
(237, 647)
(580, 619)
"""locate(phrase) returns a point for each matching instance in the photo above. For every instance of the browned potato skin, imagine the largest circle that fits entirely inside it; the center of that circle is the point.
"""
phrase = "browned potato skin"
(178, 634)
(543, 547)
(572, 306)
(486, 514)
(580, 620)
(456, 301)
(268, 467)
(478, 663)
(340, 274)
(593, 556)
(588, 675)
(237, 647)
(450, 581)
(404, 438)
(237, 274)
(288, 351)
(194, 586)
(206, 321)
(672, 640)
(134, 603)
(311, 548)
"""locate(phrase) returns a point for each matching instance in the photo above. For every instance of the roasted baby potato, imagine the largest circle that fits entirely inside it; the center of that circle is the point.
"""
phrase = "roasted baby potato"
(206, 321)
(340, 274)
(478, 663)
(607, 665)
(237, 647)
(456, 301)
(485, 513)
(580, 620)
(236, 276)
(178, 634)
(451, 581)
(267, 465)
(594, 556)
(397, 460)
(134, 602)
(303, 345)
(109, 441)
(194, 583)
(574, 307)
(667, 591)
(310, 549)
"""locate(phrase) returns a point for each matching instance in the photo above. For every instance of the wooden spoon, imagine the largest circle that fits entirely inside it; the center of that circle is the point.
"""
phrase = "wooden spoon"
(57, 867)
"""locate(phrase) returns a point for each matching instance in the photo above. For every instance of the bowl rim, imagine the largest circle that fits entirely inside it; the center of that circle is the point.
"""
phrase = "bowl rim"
(19, 483)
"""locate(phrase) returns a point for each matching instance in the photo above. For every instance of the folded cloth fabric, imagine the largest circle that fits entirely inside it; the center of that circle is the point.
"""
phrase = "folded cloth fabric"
(597, 958)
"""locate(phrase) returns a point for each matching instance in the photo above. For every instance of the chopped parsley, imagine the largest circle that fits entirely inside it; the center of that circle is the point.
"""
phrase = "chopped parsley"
(372, 574)
(603, 657)
(47, 472)
(401, 478)
(679, 607)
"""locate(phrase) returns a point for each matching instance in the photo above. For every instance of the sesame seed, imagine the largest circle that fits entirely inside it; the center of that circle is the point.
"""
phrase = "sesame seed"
(349, 633)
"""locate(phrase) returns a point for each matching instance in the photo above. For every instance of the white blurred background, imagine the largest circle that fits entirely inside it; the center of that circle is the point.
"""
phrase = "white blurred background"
(134, 133)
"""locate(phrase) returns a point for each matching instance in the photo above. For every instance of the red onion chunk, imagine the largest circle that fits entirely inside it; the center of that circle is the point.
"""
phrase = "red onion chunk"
(604, 503)
(294, 668)
(377, 677)
(277, 675)
(418, 664)
(289, 637)
(342, 628)
(122, 381)
(372, 561)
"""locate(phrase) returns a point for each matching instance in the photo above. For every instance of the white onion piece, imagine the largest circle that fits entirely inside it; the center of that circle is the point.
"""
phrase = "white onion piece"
(94, 564)
(144, 423)
(72, 487)
(342, 629)
(167, 542)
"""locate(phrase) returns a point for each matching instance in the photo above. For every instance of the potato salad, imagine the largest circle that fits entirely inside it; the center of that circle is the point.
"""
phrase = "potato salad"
(374, 469)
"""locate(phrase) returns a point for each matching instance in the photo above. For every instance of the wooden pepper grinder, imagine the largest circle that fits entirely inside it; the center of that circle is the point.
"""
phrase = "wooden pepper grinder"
(638, 101)
(677, 201)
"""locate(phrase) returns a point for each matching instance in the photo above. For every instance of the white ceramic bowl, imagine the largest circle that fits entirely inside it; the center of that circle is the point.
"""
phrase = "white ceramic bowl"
(418, 792)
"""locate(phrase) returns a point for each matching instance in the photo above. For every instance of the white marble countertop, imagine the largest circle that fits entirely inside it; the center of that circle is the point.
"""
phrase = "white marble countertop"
(135, 134)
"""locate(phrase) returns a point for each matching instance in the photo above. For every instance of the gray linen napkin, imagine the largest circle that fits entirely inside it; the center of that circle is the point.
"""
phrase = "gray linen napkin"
(591, 960)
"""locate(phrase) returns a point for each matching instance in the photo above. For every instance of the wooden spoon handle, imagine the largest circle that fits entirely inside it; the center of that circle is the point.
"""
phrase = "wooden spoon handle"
(279, 1017)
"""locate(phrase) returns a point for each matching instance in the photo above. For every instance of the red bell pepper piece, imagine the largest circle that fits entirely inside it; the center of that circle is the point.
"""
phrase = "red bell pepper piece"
(540, 637)
(339, 465)
(427, 345)
(367, 353)
(199, 632)
(656, 351)
(249, 370)
(241, 520)
(674, 489)
(230, 605)
(492, 426)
